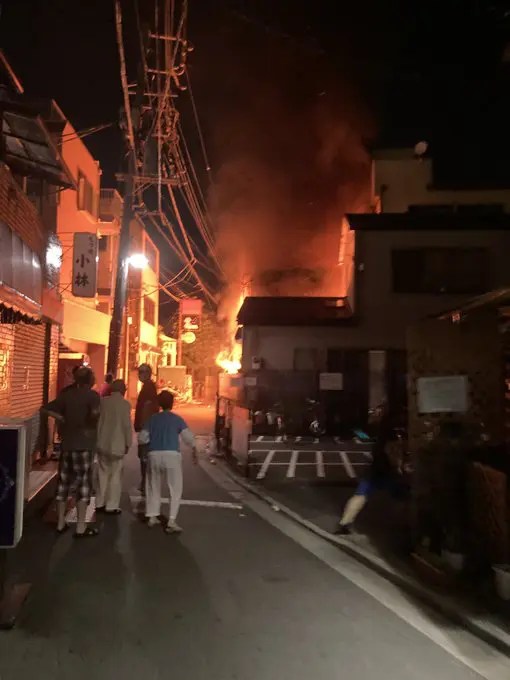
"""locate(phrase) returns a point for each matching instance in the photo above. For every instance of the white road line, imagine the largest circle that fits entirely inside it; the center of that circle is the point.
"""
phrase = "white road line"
(267, 462)
(291, 472)
(320, 464)
(259, 439)
(348, 465)
(194, 503)
(337, 440)
(298, 439)
(311, 464)
(278, 440)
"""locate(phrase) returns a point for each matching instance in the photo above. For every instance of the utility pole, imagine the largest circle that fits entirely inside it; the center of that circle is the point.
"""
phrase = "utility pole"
(121, 279)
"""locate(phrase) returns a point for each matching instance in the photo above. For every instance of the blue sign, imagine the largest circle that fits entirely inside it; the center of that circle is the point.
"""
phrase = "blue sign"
(12, 477)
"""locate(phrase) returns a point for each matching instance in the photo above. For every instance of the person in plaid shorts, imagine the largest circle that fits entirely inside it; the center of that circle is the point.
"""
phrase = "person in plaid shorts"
(77, 411)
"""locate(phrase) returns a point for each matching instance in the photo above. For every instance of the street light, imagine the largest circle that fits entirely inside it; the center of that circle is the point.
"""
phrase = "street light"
(138, 261)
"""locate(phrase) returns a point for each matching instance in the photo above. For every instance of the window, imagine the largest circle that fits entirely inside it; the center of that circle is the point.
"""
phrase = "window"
(306, 359)
(149, 311)
(86, 195)
(441, 270)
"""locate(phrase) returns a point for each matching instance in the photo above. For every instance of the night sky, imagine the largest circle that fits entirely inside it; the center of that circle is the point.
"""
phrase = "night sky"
(407, 71)
(426, 68)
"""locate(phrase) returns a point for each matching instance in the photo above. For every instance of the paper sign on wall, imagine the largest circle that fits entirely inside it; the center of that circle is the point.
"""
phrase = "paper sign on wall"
(331, 382)
(443, 394)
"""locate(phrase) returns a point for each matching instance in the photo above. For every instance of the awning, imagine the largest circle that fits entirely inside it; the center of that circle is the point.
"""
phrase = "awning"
(29, 148)
(11, 315)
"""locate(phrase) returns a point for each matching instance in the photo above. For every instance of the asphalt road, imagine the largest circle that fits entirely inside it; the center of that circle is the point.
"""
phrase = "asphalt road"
(239, 595)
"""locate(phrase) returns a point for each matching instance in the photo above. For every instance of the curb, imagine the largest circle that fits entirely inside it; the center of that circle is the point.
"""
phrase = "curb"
(448, 607)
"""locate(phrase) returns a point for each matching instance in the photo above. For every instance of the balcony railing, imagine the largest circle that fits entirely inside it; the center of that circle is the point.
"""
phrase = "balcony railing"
(110, 205)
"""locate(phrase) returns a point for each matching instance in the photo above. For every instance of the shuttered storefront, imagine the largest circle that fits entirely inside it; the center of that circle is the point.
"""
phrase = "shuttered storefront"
(22, 376)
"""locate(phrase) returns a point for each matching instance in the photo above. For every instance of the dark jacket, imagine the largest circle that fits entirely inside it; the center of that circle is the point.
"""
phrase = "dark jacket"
(146, 404)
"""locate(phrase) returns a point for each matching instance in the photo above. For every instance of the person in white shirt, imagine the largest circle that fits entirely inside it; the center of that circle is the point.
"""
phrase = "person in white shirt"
(115, 437)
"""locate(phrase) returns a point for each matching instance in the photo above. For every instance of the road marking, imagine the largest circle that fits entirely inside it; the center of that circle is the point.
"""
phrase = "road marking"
(278, 440)
(291, 472)
(298, 439)
(299, 464)
(259, 439)
(337, 440)
(267, 462)
(348, 465)
(195, 503)
(483, 659)
(365, 454)
(320, 464)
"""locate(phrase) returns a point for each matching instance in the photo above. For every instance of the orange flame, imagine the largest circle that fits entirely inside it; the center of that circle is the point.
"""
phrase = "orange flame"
(229, 360)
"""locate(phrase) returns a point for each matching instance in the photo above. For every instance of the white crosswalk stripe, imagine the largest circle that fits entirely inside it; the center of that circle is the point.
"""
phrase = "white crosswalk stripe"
(265, 465)
(348, 465)
(291, 472)
(319, 458)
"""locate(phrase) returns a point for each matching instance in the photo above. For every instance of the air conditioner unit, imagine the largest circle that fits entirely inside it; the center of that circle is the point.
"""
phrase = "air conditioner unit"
(256, 363)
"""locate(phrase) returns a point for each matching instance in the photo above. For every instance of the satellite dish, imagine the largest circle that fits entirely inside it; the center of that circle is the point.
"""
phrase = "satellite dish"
(421, 148)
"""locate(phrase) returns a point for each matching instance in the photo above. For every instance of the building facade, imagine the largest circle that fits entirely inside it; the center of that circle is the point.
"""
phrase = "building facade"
(85, 329)
(420, 251)
(32, 174)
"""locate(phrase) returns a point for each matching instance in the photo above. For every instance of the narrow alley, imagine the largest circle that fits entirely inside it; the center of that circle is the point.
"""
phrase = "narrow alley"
(244, 593)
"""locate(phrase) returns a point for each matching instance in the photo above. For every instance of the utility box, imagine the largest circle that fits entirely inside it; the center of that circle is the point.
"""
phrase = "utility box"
(12, 483)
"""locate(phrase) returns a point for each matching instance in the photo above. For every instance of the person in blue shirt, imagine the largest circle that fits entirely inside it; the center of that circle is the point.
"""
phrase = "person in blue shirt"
(162, 434)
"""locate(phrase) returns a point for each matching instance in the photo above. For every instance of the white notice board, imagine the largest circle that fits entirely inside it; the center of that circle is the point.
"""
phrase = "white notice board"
(443, 394)
(333, 382)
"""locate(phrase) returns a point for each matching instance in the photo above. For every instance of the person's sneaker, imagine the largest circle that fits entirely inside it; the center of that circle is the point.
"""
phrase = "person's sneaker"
(343, 530)
(172, 527)
(152, 522)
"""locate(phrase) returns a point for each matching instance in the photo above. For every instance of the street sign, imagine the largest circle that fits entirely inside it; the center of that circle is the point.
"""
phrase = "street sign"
(190, 323)
(85, 259)
(191, 307)
(12, 483)
(189, 338)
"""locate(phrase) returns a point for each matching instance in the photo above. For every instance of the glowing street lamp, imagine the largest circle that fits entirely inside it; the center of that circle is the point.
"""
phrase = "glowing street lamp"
(138, 261)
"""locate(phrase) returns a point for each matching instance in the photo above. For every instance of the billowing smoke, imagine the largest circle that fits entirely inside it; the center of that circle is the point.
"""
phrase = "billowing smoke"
(290, 163)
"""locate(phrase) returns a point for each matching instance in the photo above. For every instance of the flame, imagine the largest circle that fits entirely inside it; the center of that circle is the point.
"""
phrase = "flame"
(229, 360)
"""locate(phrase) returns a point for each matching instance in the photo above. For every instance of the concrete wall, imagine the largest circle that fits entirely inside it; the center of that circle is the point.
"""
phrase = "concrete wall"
(383, 315)
(400, 180)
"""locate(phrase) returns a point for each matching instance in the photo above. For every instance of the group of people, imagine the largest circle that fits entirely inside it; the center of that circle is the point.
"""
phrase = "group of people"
(96, 425)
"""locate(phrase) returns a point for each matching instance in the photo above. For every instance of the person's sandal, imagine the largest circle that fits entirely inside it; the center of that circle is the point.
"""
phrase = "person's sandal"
(88, 533)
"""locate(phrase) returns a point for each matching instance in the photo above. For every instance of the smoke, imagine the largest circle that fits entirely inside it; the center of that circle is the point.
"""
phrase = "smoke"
(290, 163)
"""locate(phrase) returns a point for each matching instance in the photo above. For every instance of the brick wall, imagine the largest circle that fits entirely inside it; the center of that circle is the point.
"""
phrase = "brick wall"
(19, 214)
